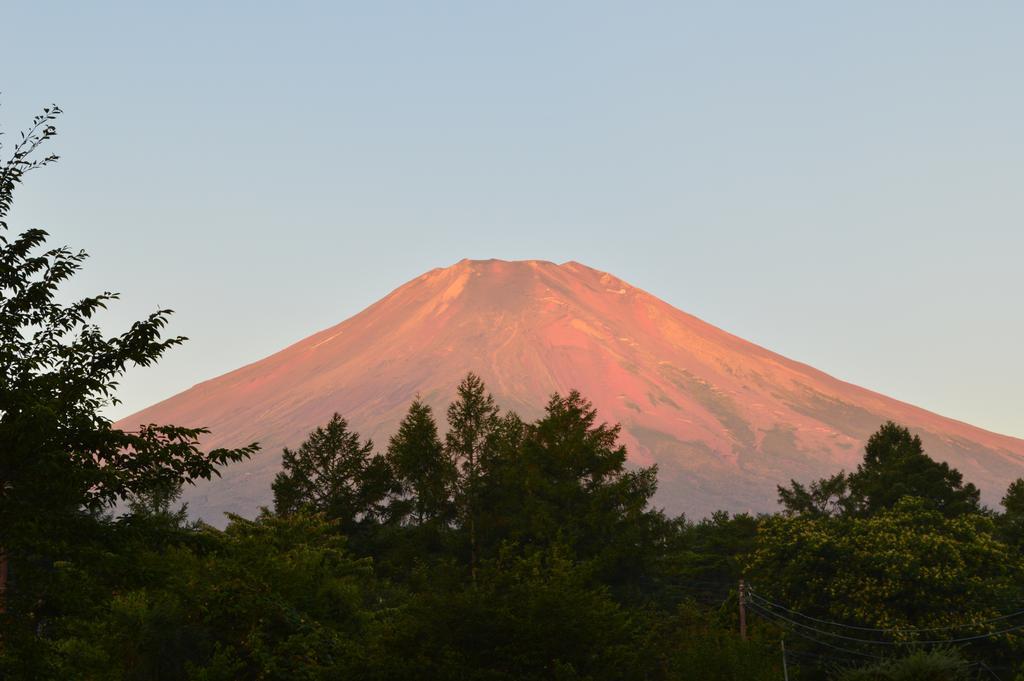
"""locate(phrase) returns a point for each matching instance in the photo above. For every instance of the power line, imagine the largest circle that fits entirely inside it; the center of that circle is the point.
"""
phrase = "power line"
(771, 616)
(765, 611)
(908, 630)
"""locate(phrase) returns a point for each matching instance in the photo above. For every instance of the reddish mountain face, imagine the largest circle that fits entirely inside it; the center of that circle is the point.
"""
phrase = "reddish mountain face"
(724, 419)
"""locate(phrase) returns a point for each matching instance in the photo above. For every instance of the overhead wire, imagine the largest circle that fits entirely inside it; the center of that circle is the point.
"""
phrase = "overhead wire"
(948, 641)
(892, 631)
(858, 653)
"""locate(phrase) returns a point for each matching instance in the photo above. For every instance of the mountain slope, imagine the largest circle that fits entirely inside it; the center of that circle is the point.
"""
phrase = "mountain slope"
(725, 420)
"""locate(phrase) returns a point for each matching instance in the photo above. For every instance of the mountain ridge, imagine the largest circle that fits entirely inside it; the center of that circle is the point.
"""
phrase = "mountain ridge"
(724, 418)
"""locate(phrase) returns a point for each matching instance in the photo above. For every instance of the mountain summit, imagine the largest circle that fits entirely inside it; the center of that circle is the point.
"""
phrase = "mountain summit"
(724, 419)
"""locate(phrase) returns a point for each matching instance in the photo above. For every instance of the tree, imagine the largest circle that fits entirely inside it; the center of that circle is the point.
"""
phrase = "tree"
(271, 598)
(61, 461)
(334, 474)
(825, 497)
(943, 664)
(527, 617)
(1011, 522)
(895, 466)
(902, 568)
(567, 483)
(1013, 500)
(422, 468)
(472, 421)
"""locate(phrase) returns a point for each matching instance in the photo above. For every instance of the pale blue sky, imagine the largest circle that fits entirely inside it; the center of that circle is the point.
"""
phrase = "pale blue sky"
(840, 182)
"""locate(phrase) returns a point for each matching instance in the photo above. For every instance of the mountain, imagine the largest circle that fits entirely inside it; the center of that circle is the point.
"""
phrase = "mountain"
(724, 419)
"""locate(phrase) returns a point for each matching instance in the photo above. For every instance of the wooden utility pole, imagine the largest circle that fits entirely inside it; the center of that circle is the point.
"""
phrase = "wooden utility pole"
(3, 581)
(785, 669)
(743, 611)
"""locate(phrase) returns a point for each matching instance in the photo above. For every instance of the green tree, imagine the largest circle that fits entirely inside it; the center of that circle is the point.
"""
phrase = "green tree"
(536, 615)
(704, 560)
(895, 465)
(422, 467)
(931, 665)
(903, 568)
(472, 421)
(1011, 522)
(61, 461)
(271, 598)
(1013, 500)
(825, 497)
(333, 473)
(566, 482)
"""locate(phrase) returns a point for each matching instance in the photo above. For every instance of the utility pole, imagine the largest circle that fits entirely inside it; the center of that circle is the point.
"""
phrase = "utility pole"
(743, 611)
(785, 669)
(3, 581)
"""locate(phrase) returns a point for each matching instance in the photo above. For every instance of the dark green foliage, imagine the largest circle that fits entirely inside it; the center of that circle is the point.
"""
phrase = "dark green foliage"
(894, 466)
(704, 561)
(1011, 523)
(537, 616)
(1013, 500)
(423, 470)
(903, 568)
(698, 644)
(61, 462)
(935, 665)
(333, 473)
(274, 598)
(472, 421)
(563, 480)
(825, 497)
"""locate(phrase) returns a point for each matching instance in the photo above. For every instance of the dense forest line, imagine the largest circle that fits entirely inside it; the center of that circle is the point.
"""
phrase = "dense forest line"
(500, 550)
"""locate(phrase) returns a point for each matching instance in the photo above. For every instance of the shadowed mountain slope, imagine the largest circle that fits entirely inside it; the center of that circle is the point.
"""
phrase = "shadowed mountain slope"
(724, 419)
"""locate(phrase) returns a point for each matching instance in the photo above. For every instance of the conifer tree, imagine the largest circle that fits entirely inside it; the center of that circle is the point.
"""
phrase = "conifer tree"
(1011, 522)
(333, 473)
(472, 421)
(422, 467)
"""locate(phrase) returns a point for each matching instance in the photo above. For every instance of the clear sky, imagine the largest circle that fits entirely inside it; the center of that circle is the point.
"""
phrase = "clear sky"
(840, 182)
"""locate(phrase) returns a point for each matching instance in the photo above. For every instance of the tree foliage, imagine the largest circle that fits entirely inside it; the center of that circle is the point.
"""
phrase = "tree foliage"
(894, 466)
(902, 568)
(424, 471)
(333, 473)
(61, 461)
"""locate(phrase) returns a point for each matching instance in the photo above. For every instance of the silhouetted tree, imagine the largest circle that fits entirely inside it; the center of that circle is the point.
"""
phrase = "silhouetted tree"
(422, 467)
(562, 480)
(1011, 522)
(333, 473)
(61, 462)
(825, 497)
(895, 466)
(472, 421)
